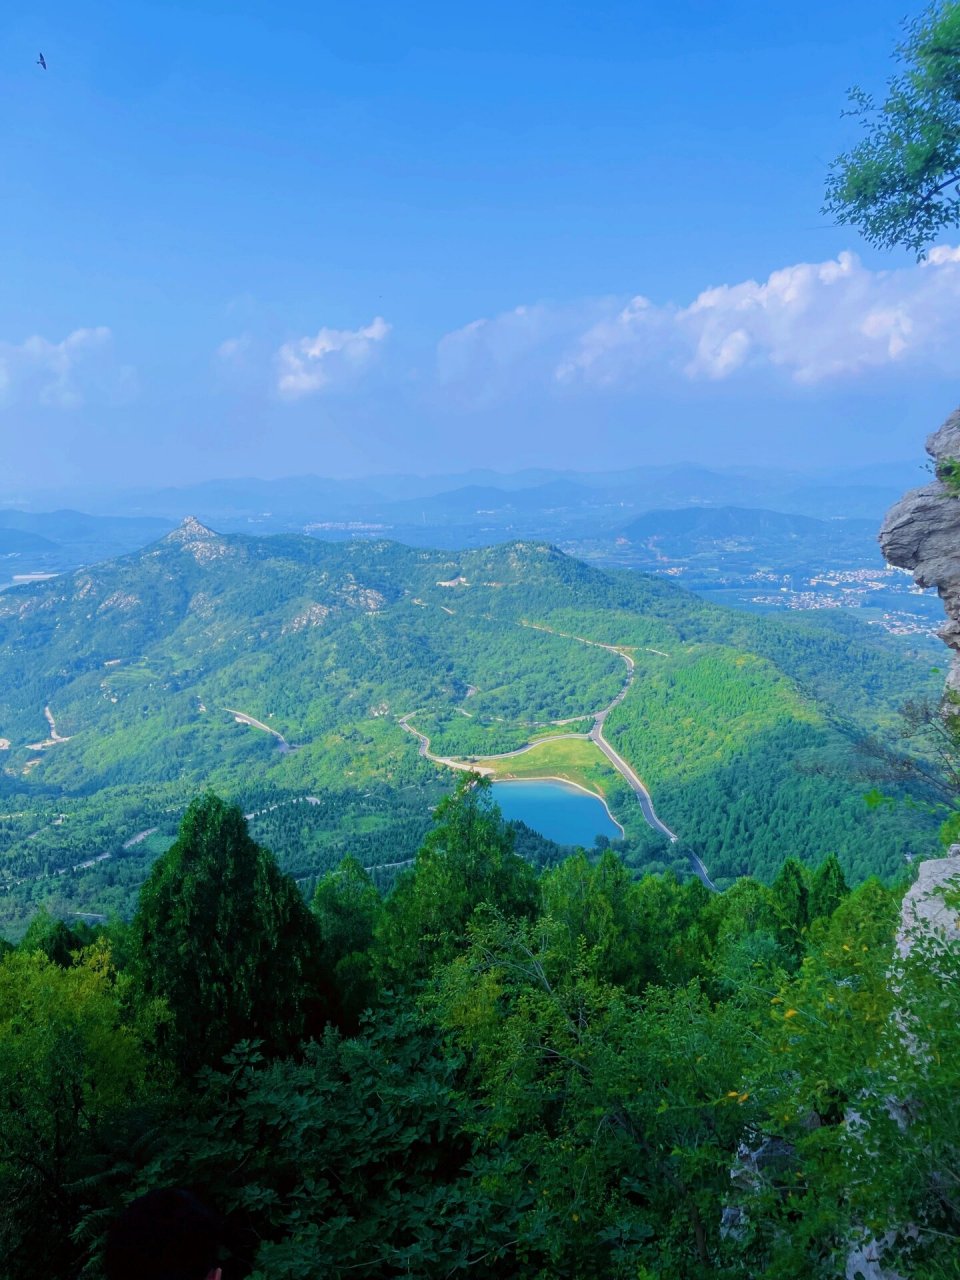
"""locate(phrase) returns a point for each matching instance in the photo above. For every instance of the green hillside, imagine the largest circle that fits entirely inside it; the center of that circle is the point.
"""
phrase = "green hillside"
(277, 669)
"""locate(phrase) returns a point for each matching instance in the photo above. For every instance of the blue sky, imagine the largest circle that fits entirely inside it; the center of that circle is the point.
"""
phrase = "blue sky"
(245, 238)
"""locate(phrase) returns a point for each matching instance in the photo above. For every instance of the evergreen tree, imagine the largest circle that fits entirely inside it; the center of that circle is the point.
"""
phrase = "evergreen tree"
(55, 939)
(69, 1067)
(746, 926)
(595, 906)
(226, 940)
(792, 903)
(828, 888)
(672, 915)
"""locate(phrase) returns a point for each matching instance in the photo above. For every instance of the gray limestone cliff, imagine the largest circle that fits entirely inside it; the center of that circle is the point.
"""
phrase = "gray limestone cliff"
(922, 533)
(927, 907)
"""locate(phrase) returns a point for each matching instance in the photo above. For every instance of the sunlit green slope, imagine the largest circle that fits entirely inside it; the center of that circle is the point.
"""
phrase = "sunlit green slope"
(277, 669)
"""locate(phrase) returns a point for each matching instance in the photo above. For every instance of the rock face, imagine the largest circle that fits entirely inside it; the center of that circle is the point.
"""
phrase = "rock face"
(926, 907)
(189, 530)
(197, 540)
(922, 533)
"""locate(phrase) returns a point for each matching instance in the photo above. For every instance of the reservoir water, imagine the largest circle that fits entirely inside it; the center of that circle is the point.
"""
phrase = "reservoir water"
(557, 810)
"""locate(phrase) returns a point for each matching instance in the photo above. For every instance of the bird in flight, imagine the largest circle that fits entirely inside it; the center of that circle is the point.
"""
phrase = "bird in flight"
(42, 62)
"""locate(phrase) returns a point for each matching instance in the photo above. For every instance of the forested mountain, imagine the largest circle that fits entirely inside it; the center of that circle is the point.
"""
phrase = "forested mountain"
(278, 669)
(689, 531)
(726, 547)
(721, 522)
(18, 541)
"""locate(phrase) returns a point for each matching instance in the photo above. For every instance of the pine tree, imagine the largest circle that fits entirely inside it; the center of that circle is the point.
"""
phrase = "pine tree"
(226, 940)
(827, 888)
(55, 938)
(792, 904)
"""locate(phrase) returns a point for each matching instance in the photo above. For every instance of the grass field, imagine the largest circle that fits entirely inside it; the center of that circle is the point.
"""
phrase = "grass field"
(573, 759)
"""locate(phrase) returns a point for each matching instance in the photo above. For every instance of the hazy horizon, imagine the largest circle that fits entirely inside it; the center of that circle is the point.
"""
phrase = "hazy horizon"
(902, 471)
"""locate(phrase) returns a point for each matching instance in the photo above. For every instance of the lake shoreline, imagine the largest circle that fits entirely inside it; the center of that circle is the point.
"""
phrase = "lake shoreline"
(565, 782)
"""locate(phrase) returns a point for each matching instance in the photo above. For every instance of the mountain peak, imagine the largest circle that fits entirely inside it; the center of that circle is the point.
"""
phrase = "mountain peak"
(195, 539)
(190, 530)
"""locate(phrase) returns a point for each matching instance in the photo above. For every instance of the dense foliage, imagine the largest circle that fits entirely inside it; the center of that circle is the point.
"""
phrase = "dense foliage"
(899, 185)
(487, 1072)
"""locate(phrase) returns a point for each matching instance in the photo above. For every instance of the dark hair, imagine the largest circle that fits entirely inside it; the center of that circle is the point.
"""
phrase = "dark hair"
(164, 1235)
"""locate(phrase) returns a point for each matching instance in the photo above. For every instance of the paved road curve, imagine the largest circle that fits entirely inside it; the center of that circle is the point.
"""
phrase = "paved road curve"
(617, 760)
(595, 735)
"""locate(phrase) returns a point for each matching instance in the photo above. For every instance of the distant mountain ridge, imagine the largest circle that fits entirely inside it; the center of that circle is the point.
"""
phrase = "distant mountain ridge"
(68, 525)
(717, 522)
(55, 541)
(738, 541)
(17, 541)
(607, 517)
(292, 502)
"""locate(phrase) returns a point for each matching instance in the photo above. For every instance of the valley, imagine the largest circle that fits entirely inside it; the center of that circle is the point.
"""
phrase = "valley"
(504, 765)
(357, 675)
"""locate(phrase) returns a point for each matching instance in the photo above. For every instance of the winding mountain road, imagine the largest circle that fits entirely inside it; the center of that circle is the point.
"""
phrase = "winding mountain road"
(241, 717)
(595, 735)
(54, 738)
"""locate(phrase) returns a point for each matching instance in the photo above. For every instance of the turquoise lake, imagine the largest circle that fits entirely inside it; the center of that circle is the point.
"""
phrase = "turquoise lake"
(557, 810)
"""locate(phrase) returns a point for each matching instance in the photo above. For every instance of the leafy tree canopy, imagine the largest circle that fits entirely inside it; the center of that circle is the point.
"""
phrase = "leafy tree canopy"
(68, 1066)
(55, 938)
(900, 185)
(347, 906)
(576, 1074)
(225, 939)
(467, 859)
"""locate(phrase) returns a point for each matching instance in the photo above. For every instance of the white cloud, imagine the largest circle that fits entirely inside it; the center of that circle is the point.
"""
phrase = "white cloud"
(807, 323)
(308, 365)
(66, 374)
(941, 254)
(233, 350)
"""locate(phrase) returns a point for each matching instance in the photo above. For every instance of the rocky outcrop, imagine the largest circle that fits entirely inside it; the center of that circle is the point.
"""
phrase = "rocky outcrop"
(929, 918)
(928, 908)
(189, 530)
(196, 539)
(922, 533)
